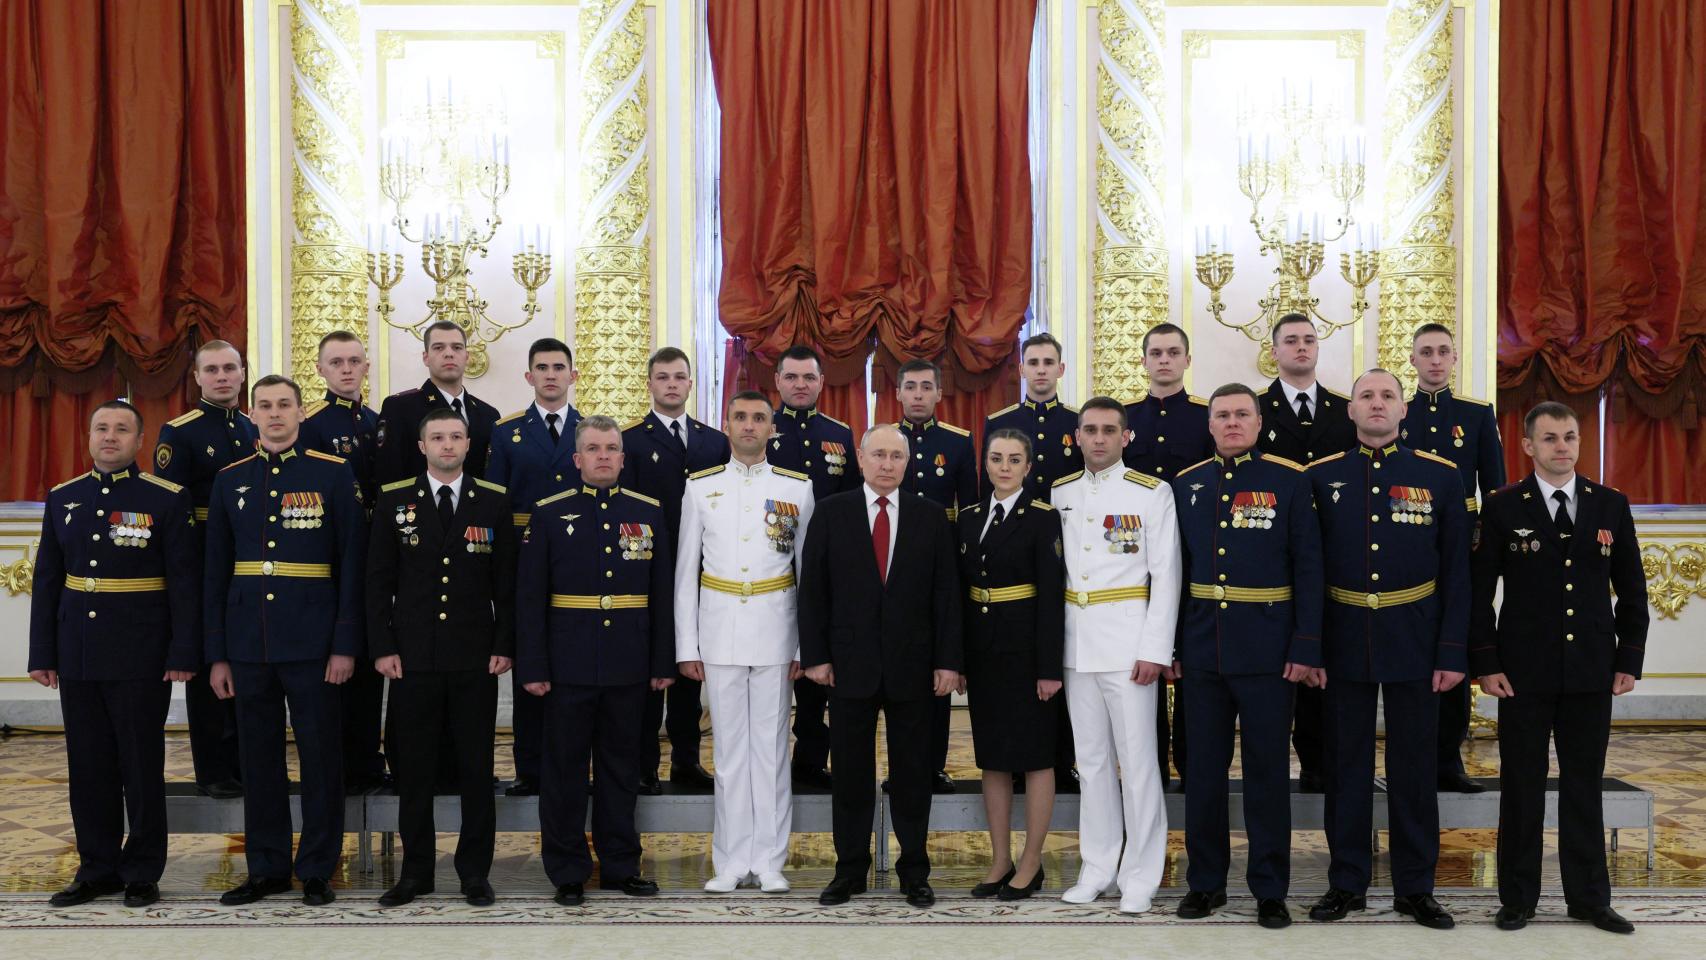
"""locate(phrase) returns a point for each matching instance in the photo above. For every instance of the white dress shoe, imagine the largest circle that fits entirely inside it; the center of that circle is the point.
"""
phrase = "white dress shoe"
(1082, 893)
(722, 883)
(773, 883)
(1134, 906)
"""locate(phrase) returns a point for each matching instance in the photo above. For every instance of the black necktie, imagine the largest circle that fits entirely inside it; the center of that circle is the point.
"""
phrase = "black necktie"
(1566, 526)
(1303, 407)
(995, 517)
(680, 441)
(456, 405)
(446, 509)
(551, 425)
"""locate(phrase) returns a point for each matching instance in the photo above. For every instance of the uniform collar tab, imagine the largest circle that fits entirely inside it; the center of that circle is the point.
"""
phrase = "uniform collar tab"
(129, 471)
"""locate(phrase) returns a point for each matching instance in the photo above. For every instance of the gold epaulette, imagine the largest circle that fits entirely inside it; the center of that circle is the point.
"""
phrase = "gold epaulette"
(710, 471)
(71, 481)
(519, 413)
(1199, 401)
(1195, 465)
(162, 482)
(1002, 412)
(1042, 505)
(1069, 408)
(1434, 457)
(641, 496)
(396, 485)
(1478, 403)
(1142, 479)
(1068, 478)
(839, 423)
(186, 418)
(323, 456)
(238, 463)
(631, 424)
(313, 408)
(784, 471)
(1337, 394)
(553, 498)
(1284, 462)
(962, 431)
(1330, 459)
(973, 508)
(489, 485)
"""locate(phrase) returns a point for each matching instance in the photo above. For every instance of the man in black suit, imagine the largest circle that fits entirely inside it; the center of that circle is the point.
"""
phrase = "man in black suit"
(441, 626)
(1303, 421)
(880, 627)
(1555, 655)
(399, 456)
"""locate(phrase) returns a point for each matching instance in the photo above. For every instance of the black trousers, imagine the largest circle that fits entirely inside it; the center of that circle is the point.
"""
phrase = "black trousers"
(363, 698)
(853, 734)
(421, 703)
(600, 725)
(116, 756)
(527, 719)
(213, 732)
(1256, 708)
(1412, 790)
(263, 690)
(811, 735)
(1173, 731)
(1453, 728)
(1580, 724)
(1307, 737)
(681, 723)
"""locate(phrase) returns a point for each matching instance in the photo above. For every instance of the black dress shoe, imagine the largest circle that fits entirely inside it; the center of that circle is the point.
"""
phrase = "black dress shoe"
(406, 890)
(1065, 781)
(920, 895)
(808, 779)
(1272, 914)
(82, 891)
(522, 787)
(1511, 918)
(1604, 918)
(1458, 783)
(1010, 892)
(1200, 903)
(1309, 782)
(220, 789)
(478, 892)
(634, 886)
(317, 892)
(1425, 910)
(943, 783)
(570, 894)
(650, 787)
(1335, 903)
(986, 889)
(254, 888)
(840, 890)
(692, 776)
(141, 894)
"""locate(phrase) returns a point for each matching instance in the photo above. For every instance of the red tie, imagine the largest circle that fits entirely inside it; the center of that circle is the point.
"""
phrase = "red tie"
(880, 538)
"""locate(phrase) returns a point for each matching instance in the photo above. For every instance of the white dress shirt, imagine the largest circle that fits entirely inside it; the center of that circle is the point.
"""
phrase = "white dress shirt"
(894, 518)
(1292, 393)
(562, 413)
(669, 424)
(1006, 506)
(455, 486)
(1546, 491)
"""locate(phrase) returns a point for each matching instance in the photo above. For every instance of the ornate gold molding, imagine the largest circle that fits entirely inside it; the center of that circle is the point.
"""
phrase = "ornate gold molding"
(1676, 573)
(19, 575)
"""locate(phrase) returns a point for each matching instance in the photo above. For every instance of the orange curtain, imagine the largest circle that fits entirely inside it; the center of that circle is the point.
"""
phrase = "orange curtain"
(121, 214)
(1602, 245)
(875, 186)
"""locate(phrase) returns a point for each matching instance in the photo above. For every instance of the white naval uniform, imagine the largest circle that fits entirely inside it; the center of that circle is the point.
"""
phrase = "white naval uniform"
(1113, 718)
(748, 644)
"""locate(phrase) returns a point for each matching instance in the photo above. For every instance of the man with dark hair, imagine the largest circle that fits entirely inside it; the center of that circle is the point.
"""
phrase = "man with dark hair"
(1169, 432)
(811, 442)
(944, 471)
(113, 623)
(1466, 432)
(445, 354)
(282, 614)
(533, 457)
(1303, 421)
(1555, 653)
(191, 451)
(660, 451)
(1395, 546)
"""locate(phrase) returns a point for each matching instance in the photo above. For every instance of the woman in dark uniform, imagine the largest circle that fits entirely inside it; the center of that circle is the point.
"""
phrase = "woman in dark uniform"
(1015, 627)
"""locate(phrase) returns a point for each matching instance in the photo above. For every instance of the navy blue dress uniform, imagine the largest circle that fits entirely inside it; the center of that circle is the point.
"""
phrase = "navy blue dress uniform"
(1052, 427)
(1285, 434)
(1015, 630)
(1168, 434)
(1466, 432)
(823, 448)
(1559, 638)
(114, 606)
(397, 452)
(944, 471)
(192, 449)
(347, 429)
(657, 464)
(1251, 605)
(443, 600)
(286, 550)
(595, 619)
(531, 466)
(1395, 537)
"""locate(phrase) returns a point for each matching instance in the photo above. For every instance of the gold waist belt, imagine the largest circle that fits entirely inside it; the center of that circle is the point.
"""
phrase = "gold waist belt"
(1086, 598)
(746, 588)
(1204, 591)
(619, 601)
(278, 568)
(1023, 591)
(115, 584)
(1388, 598)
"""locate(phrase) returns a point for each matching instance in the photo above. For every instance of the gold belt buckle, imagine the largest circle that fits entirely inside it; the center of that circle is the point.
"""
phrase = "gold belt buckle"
(606, 602)
(266, 567)
(1373, 600)
(1219, 592)
(745, 589)
(89, 584)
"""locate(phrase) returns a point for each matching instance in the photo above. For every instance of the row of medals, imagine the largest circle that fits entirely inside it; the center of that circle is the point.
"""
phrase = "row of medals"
(780, 529)
(1122, 539)
(837, 463)
(635, 548)
(1252, 517)
(125, 536)
(302, 518)
(1410, 511)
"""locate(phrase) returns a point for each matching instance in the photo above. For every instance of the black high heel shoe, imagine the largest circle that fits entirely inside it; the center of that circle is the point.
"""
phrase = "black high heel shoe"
(984, 891)
(1010, 892)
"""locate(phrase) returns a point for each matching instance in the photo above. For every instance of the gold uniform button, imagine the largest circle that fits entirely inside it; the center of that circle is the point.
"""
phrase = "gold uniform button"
(918, 456)
(985, 609)
(443, 579)
(272, 519)
(1374, 576)
(1223, 578)
(1569, 636)
(275, 470)
(1377, 465)
(559, 478)
(1374, 489)
(109, 489)
(1433, 429)
(1375, 518)
(271, 544)
(1223, 524)
(272, 493)
(1222, 551)
(94, 563)
(447, 562)
(1570, 611)
(1223, 604)
(1432, 408)
(443, 597)
(1040, 457)
(1160, 439)
(1566, 562)
(1229, 474)
(606, 549)
(443, 616)
(604, 506)
(607, 623)
(96, 538)
(609, 573)
(1569, 586)
(1375, 547)
(91, 614)
(1224, 498)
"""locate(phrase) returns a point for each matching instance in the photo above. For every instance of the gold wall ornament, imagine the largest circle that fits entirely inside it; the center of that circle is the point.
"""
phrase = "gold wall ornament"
(1676, 573)
(613, 323)
(327, 281)
(1419, 266)
(1130, 283)
(19, 575)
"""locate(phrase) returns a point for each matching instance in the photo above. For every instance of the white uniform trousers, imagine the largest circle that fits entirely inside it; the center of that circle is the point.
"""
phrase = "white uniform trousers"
(1113, 729)
(749, 748)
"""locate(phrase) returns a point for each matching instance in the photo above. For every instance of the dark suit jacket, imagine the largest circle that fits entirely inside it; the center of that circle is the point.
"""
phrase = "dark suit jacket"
(887, 638)
(1024, 639)
(655, 465)
(1558, 631)
(398, 455)
(1330, 430)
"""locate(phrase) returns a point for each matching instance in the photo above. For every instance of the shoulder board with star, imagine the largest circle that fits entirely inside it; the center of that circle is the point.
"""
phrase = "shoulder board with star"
(161, 482)
(1505, 490)
(962, 431)
(838, 423)
(711, 471)
(1293, 464)
(1199, 401)
(1477, 402)
(641, 496)
(631, 424)
(313, 408)
(489, 485)
(1002, 412)
(186, 418)
(1195, 465)
(1068, 478)
(784, 471)
(553, 498)
(1336, 456)
(73, 480)
(1142, 479)
(1039, 505)
(323, 456)
(396, 485)
(1434, 457)
(239, 463)
(1337, 394)
(513, 416)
